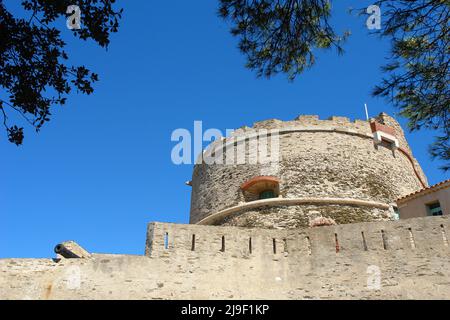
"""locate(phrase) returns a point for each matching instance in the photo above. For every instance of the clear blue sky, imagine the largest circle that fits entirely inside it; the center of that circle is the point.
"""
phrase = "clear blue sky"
(101, 169)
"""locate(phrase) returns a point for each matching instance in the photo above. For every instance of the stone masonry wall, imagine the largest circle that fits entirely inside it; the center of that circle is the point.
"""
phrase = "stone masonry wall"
(408, 259)
(319, 158)
(298, 216)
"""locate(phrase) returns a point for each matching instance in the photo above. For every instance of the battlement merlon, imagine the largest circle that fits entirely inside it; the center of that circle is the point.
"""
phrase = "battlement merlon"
(411, 256)
(312, 123)
(419, 234)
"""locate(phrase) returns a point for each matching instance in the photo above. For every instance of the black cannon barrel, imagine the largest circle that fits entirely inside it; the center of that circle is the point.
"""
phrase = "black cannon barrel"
(66, 253)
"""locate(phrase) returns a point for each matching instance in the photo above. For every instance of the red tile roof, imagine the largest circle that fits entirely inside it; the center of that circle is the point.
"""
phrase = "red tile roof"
(376, 126)
(246, 185)
(440, 185)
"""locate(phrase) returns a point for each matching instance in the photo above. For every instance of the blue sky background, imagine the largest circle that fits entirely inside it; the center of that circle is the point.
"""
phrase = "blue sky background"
(101, 169)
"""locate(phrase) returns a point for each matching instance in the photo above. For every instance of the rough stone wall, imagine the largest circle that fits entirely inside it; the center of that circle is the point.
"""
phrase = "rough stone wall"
(318, 158)
(412, 260)
(298, 216)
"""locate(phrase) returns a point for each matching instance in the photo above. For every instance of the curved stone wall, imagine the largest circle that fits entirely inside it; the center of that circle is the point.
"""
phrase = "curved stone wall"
(319, 159)
(299, 216)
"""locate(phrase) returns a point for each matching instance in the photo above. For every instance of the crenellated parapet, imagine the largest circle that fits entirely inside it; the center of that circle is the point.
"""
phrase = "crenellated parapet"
(376, 238)
(312, 123)
(408, 259)
(309, 121)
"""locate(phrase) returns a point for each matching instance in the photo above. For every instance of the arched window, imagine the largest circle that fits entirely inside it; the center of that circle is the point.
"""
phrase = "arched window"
(262, 187)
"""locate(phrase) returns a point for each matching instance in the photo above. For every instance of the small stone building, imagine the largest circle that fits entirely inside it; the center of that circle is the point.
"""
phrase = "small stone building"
(431, 201)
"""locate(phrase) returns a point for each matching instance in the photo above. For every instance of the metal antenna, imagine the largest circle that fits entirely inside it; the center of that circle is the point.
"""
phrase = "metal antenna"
(367, 111)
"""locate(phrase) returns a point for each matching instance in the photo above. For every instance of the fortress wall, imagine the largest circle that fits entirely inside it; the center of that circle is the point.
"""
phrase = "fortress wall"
(319, 158)
(304, 269)
(418, 234)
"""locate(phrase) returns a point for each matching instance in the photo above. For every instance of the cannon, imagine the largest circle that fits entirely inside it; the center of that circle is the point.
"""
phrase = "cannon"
(66, 253)
(71, 250)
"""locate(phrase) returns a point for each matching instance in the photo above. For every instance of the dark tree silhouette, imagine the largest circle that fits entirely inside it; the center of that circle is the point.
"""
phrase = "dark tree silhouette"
(279, 36)
(34, 70)
(417, 79)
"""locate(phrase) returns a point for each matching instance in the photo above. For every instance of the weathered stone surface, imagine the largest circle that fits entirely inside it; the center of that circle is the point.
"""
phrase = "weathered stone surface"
(291, 217)
(413, 263)
(318, 158)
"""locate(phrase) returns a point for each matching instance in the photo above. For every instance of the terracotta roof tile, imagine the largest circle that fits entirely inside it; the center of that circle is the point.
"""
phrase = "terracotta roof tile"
(437, 185)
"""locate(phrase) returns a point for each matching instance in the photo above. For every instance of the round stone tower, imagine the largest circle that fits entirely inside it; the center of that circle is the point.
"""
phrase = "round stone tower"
(284, 174)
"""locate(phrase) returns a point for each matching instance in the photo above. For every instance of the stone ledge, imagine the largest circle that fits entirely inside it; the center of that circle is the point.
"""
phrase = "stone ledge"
(289, 202)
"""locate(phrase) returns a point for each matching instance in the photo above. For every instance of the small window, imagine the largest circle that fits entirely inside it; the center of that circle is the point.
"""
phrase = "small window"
(261, 187)
(434, 209)
(267, 194)
(387, 143)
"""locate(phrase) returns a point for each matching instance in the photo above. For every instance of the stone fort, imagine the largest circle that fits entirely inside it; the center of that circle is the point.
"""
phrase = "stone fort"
(314, 221)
